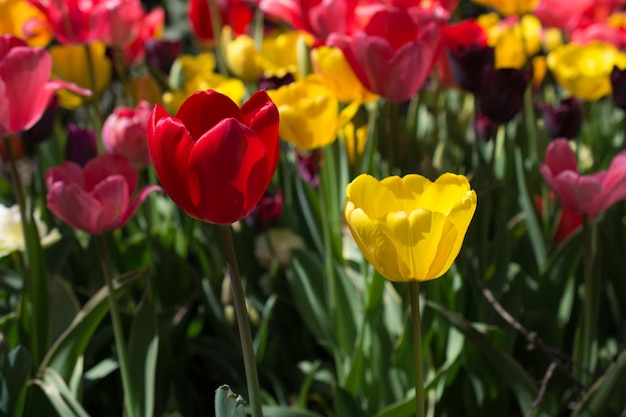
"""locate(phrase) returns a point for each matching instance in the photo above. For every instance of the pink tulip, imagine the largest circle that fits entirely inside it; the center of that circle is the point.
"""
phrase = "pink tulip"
(320, 18)
(589, 194)
(25, 88)
(98, 198)
(115, 22)
(392, 56)
(125, 132)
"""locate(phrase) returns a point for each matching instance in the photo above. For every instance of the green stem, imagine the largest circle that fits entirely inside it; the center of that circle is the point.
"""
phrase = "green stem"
(417, 348)
(216, 25)
(118, 332)
(36, 294)
(243, 323)
(588, 341)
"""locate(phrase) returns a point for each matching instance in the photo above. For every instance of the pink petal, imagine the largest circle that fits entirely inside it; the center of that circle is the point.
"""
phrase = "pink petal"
(113, 196)
(103, 166)
(169, 144)
(74, 206)
(67, 173)
(205, 109)
(4, 111)
(613, 183)
(132, 207)
(560, 157)
(577, 192)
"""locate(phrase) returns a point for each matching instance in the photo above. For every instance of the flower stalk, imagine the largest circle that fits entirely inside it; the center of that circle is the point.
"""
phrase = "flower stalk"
(118, 332)
(243, 323)
(417, 348)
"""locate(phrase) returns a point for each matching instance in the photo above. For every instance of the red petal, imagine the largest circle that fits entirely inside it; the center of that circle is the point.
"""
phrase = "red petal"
(74, 206)
(103, 166)
(113, 195)
(221, 164)
(67, 173)
(261, 115)
(204, 110)
(169, 144)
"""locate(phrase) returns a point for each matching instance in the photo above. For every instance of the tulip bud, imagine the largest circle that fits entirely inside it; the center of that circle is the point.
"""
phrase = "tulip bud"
(81, 145)
(161, 53)
(274, 82)
(124, 133)
(618, 83)
(501, 95)
(563, 120)
(276, 244)
(243, 59)
(467, 64)
(267, 212)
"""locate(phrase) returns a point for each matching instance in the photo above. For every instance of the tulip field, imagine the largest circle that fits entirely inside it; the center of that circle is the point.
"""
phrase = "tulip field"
(312, 208)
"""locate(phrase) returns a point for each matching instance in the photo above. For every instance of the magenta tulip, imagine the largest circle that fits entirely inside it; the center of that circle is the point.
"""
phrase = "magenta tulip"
(588, 194)
(392, 56)
(25, 88)
(98, 198)
(125, 132)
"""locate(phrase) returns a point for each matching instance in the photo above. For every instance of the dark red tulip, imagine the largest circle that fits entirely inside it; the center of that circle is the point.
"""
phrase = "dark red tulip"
(214, 159)
(618, 82)
(501, 95)
(81, 145)
(563, 120)
(267, 213)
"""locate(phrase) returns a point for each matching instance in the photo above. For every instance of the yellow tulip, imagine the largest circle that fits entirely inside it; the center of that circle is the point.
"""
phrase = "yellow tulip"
(584, 70)
(21, 19)
(186, 67)
(513, 41)
(69, 63)
(330, 63)
(280, 52)
(410, 229)
(509, 7)
(355, 139)
(309, 113)
(243, 59)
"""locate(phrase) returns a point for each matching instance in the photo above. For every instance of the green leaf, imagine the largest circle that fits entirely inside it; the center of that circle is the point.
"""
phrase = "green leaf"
(63, 306)
(228, 404)
(511, 372)
(262, 334)
(142, 354)
(595, 403)
(304, 276)
(15, 368)
(69, 347)
(59, 395)
(278, 411)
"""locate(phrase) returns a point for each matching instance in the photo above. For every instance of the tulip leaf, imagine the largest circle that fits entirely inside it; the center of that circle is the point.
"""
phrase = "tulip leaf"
(59, 395)
(304, 278)
(69, 347)
(227, 403)
(278, 411)
(142, 354)
(15, 368)
(512, 373)
(599, 397)
(262, 334)
(309, 206)
(534, 230)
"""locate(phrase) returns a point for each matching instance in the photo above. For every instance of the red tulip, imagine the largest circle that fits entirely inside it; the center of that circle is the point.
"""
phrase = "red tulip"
(589, 194)
(25, 88)
(213, 159)
(234, 13)
(98, 198)
(392, 56)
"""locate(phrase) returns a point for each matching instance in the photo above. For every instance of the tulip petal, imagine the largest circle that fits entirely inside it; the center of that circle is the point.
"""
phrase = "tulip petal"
(375, 245)
(99, 169)
(577, 192)
(560, 157)
(113, 195)
(613, 183)
(375, 198)
(4, 111)
(219, 179)
(443, 194)
(169, 144)
(261, 115)
(67, 172)
(139, 198)
(217, 107)
(70, 203)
